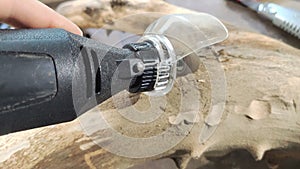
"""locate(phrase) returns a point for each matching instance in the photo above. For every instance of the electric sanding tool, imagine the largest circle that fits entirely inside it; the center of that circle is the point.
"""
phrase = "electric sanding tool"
(50, 76)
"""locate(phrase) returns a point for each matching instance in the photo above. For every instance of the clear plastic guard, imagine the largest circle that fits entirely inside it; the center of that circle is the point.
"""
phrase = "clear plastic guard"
(189, 33)
(111, 128)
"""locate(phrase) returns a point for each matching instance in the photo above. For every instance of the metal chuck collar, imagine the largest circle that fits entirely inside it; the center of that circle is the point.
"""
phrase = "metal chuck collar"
(154, 65)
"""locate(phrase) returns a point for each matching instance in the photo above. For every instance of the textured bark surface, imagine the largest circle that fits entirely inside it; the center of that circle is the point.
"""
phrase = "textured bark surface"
(262, 113)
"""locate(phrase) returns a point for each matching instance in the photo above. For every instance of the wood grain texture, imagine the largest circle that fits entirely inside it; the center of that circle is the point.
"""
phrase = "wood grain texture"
(262, 113)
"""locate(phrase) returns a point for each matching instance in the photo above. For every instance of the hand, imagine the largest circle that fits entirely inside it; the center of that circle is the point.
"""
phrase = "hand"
(33, 14)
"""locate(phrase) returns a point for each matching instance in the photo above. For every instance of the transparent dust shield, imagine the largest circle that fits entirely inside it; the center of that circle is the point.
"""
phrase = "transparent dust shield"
(175, 37)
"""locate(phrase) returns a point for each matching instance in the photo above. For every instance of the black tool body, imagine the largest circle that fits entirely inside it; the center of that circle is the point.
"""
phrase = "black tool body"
(49, 76)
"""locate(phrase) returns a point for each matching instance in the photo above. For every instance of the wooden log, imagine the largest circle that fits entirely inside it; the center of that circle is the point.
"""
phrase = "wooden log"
(99, 13)
(262, 113)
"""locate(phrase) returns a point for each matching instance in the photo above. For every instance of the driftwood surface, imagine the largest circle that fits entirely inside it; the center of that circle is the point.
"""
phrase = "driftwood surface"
(262, 113)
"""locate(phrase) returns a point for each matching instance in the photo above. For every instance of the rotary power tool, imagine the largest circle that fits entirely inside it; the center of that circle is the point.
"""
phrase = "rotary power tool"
(50, 76)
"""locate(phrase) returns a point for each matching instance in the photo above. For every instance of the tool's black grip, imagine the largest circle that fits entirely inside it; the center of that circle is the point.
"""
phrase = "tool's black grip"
(25, 79)
(48, 76)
